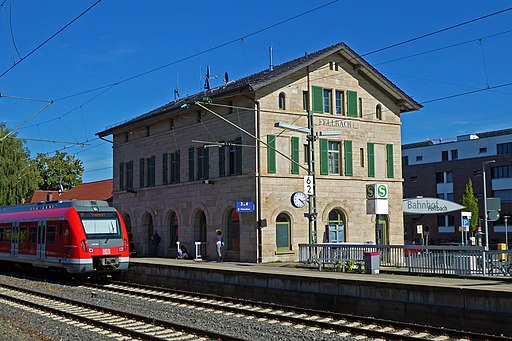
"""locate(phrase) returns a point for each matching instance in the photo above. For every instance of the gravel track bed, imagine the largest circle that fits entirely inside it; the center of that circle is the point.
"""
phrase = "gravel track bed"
(23, 325)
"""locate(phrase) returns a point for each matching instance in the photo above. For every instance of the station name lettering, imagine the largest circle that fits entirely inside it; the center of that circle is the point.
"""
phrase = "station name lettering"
(426, 205)
(337, 123)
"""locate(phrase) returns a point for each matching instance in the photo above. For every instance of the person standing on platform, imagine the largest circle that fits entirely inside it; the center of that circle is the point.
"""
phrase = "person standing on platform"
(154, 240)
(219, 242)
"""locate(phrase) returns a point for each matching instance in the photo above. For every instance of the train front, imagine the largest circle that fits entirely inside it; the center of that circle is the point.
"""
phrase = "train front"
(103, 241)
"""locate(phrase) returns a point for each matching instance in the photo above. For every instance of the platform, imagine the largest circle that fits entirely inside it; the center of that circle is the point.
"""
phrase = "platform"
(477, 304)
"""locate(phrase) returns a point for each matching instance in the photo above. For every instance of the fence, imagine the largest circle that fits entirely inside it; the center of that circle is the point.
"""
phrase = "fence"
(443, 260)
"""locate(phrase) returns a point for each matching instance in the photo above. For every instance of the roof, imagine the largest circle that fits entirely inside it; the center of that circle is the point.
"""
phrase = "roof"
(482, 135)
(263, 78)
(97, 190)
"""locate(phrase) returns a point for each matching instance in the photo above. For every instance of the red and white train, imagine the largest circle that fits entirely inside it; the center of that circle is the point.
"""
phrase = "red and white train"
(77, 236)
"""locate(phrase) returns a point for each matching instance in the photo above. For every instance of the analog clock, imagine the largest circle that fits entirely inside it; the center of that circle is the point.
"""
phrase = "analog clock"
(299, 199)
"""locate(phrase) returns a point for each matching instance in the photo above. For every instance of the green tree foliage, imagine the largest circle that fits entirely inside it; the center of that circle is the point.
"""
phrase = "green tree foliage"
(60, 169)
(19, 176)
(470, 201)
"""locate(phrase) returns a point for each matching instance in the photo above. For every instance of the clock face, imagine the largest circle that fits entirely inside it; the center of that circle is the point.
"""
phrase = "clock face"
(299, 199)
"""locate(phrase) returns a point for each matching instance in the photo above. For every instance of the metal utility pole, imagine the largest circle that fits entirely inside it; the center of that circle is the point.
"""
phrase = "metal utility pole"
(485, 163)
(311, 168)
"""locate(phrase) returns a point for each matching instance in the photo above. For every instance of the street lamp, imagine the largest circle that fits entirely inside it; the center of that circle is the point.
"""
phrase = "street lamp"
(506, 230)
(485, 163)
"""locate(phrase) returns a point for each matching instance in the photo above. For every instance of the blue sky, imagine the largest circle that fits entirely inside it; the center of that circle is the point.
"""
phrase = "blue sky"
(87, 68)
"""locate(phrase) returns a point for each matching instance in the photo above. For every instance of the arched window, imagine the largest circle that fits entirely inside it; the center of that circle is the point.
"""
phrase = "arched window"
(233, 233)
(283, 232)
(173, 230)
(282, 101)
(200, 227)
(336, 227)
(378, 112)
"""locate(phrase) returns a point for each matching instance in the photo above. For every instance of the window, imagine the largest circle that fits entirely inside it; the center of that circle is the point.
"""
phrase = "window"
(336, 233)
(483, 150)
(501, 172)
(419, 158)
(444, 155)
(449, 177)
(333, 66)
(378, 112)
(340, 105)
(202, 163)
(191, 164)
(405, 161)
(235, 157)
(361, 156)
(306, 153)
(504, 148)
(449, 196)
(444, 177)
(283, 232)
(333, 157)
(360, 107)
(305, 100)
(505, 195)
(455, 154)
(439, 178)
(148, 131)
(327, 101)
(282, 101)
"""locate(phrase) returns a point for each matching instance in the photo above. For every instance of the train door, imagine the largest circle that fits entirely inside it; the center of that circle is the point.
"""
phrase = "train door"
(41, 240)
(14, 239)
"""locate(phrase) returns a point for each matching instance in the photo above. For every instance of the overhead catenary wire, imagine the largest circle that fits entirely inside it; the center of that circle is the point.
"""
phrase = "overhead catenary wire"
(48, 39)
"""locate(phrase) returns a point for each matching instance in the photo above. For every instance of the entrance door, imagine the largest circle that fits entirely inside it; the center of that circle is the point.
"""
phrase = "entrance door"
(381, 230)
(15, 238)
(41, 240)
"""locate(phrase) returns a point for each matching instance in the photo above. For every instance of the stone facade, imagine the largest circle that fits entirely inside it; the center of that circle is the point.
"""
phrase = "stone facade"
(245, 116)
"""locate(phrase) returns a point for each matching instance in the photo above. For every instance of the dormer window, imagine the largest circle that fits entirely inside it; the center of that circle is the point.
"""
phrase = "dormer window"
(378, 112)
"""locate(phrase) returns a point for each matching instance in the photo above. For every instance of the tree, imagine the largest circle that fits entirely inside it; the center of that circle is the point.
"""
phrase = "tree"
(470, 201)
(19, 176)
(59, 170)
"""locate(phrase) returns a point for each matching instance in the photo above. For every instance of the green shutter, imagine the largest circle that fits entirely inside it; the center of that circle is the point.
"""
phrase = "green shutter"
(352, 103)
(206, 163)
(324, 166)
(318, 99)
(121, 176)
(222, 160)
(238, 157)
(389, 149)
(371, 160)
(165, 165)
(178, 168)
(271, 153)
(141, 172)
(191, 164)
(348, 157)
(295, 155)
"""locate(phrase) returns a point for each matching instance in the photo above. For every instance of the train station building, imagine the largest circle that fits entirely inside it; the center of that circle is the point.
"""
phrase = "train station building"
(231, 158)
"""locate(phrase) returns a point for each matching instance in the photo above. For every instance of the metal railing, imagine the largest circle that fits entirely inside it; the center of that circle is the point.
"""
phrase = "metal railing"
(443, 260)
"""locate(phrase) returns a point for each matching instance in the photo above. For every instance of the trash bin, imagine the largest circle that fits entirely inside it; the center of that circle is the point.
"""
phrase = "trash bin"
(371, 262)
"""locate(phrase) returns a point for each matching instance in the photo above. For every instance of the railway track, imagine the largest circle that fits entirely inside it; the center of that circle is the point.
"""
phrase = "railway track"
(344, 325)
(108, 322)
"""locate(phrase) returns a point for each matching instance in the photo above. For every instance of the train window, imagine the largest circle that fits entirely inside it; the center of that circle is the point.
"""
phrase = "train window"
(32, 235)
(50, 234)
(2, 231)
(7, 235)
(101, 225)
(22, 235)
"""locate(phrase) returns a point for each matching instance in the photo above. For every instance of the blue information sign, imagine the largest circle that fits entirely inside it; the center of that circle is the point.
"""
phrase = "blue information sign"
(245, 206)
(465, 222)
